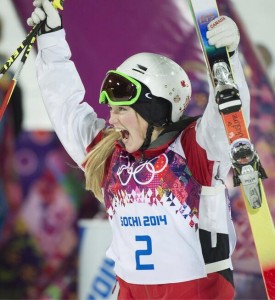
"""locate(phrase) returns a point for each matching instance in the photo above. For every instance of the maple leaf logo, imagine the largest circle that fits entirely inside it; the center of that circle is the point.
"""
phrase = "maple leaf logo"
(183, 83)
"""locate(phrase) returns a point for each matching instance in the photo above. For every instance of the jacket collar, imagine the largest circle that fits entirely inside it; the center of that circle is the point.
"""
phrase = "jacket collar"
(155, 148)
(166, 138)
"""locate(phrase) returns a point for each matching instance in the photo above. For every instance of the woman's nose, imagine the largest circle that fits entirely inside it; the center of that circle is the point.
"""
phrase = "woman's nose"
(112, 118)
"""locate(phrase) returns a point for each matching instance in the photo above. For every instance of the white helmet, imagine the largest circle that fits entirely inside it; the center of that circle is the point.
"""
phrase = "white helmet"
(164, 78)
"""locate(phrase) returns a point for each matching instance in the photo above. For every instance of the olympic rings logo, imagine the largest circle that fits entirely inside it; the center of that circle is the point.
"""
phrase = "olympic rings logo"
(128, 170)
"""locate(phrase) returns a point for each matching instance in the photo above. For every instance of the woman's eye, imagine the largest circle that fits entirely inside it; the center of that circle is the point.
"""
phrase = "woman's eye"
(121, 108)
(117, 109)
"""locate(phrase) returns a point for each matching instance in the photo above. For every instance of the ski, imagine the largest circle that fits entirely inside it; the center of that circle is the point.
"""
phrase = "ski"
(247, 169)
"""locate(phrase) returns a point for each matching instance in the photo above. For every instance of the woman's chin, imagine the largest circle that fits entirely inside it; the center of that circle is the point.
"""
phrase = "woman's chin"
(131, 147)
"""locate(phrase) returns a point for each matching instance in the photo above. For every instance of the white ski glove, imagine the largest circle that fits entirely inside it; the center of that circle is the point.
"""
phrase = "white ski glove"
(44, 10)
(223, 31)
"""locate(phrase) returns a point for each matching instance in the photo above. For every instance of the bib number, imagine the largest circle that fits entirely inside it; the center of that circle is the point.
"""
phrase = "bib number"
(147, 251)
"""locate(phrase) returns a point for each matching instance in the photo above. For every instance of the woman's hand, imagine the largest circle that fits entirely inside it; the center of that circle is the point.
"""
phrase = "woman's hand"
(223, 32)
(45, 11)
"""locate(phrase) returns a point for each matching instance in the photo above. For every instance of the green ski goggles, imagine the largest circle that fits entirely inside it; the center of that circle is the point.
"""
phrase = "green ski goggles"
(119, 89)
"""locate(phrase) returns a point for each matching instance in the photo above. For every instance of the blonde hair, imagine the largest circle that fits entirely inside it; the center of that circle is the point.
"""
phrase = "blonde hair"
(95, 162)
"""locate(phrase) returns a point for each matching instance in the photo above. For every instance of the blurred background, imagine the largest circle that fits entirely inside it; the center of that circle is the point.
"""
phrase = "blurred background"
(53, 234)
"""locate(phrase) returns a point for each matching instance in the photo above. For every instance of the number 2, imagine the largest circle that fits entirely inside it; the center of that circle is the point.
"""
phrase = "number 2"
(147, 251)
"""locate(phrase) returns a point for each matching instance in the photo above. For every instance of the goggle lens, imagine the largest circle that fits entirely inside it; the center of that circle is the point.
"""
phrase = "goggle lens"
(119, 89)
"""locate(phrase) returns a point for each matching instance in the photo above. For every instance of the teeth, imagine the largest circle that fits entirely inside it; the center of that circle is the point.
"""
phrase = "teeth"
(124, 133)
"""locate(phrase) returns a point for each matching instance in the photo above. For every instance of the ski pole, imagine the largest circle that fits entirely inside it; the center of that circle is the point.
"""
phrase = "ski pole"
(19, 49)
(27, 45)
(58, 4)
(17, 74)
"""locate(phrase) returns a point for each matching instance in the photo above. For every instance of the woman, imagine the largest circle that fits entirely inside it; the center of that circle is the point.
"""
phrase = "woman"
(160, 173)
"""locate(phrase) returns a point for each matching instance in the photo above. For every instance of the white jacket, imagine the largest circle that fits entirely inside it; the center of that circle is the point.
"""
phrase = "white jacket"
(77, 124)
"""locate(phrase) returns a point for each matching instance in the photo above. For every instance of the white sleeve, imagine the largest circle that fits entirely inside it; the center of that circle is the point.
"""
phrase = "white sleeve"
(75, 122)
(210, 132)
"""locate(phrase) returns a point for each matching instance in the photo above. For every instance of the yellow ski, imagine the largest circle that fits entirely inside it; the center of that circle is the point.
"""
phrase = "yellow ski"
(248, 172)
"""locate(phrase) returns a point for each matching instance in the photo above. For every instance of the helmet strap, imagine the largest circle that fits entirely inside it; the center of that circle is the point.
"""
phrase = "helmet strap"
(148, 137)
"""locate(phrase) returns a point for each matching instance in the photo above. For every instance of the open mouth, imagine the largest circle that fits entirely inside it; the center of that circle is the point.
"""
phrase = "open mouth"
(124, 134)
